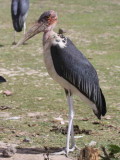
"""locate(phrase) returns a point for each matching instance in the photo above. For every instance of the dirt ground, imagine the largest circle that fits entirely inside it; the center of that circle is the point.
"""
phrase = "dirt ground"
(28, 153)
(18, 156)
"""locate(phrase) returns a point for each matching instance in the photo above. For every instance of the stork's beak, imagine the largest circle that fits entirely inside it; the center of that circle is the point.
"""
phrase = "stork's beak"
(35, 29)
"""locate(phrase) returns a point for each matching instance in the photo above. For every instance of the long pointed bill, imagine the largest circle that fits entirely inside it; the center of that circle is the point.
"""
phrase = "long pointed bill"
(35, 29)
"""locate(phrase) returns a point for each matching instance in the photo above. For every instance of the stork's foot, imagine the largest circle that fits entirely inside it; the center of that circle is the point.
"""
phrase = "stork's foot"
(66, 151)
(62, 152)
(71, 149)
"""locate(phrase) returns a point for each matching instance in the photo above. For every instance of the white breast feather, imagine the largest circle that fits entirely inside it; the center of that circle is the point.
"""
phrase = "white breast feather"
(57, 40)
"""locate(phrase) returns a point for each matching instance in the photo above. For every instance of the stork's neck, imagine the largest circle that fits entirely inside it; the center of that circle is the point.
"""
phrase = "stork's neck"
(51, 38)
(47, 35)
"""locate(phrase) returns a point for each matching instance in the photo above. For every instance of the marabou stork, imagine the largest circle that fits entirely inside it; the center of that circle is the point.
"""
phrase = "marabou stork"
(2, 79)
(70, 68)
(19, 11)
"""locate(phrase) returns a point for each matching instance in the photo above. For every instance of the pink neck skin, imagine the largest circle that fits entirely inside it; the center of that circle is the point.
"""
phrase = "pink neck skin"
(48, 32)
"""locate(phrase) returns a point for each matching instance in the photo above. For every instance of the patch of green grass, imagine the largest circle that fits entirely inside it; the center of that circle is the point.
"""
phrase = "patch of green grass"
(93, 26)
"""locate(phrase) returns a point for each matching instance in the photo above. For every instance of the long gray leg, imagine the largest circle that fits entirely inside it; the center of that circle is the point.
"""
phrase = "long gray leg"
(73, 145)
(14, 35)
(70, 143)
(24, 28)
(70, 133)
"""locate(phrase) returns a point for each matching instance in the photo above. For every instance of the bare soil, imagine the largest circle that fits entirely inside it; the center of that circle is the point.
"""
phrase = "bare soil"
(35, 157)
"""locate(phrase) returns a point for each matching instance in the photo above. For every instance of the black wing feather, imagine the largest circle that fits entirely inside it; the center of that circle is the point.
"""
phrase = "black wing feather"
(18, 10)
(2, 79)
(73, 66)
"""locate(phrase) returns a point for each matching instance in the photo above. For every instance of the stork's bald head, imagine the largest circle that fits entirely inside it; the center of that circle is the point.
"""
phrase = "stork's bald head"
(46, 22)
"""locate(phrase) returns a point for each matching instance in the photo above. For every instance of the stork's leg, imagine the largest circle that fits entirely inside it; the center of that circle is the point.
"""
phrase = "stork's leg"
(24, 28)
(14, 42)
(70, 133)
(70, 143)
(73, 145)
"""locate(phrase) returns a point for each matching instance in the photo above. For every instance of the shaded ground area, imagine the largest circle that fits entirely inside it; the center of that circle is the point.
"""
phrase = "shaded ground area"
(28, 156)
(30, 153)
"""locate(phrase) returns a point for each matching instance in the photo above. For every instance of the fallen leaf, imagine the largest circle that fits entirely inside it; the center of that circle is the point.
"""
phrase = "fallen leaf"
(95, 122)
(7, 93)
(32, 125)
(83, 119)
(4, 107)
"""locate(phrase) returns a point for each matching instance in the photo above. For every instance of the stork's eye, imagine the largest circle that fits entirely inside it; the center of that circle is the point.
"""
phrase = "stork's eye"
(47, 17)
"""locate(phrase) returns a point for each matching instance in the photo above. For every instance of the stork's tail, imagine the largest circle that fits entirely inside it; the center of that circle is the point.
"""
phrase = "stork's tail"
(100, 106)
(18, 24)
(103, 104)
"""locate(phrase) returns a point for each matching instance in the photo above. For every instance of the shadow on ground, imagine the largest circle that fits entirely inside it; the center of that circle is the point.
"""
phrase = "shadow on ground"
(34, 153)
(34, 150)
